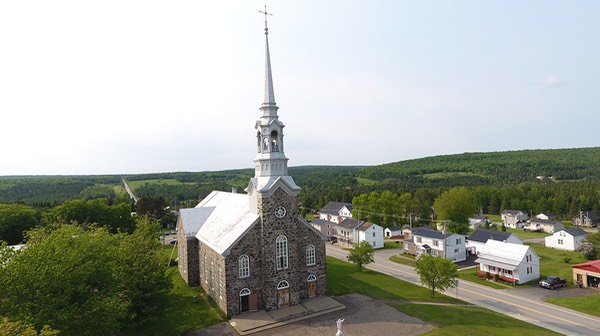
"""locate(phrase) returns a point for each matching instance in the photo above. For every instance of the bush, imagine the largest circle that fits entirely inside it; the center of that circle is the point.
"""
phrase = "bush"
(567, 260)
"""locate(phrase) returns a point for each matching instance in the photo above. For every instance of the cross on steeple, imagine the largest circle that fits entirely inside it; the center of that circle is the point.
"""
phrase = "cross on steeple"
(266, 13)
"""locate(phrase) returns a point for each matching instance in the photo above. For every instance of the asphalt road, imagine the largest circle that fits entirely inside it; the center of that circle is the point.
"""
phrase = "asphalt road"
(529, 309)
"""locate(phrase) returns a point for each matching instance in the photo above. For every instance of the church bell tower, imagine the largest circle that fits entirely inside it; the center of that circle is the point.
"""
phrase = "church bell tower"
(270, 163)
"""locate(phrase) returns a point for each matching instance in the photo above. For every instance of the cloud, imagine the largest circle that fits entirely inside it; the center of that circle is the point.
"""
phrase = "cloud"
(550, 81)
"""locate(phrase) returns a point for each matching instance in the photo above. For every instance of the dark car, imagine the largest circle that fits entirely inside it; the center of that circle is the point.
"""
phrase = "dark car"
(552, 282)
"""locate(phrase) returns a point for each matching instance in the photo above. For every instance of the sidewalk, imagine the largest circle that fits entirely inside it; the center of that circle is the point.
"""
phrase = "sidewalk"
(250, 323)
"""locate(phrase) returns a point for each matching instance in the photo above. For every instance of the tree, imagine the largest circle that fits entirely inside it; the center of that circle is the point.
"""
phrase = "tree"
(116, 217)
(84, 280)
(436, 273)
(361, 254)
(10, 328)
(456, 205)
(14, 220)
(151, 206)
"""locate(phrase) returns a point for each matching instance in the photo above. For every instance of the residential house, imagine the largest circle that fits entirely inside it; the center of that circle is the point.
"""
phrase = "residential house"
(514, 263)
(351, 231)
(546, 216)
(336, 212)
(544, 225)
(477, 221)
(392, 231)
(587, 274)
(566, 239)
(408, 233)
(437, 243)
(586, 218)
(326, 228)
(513, 218)
(477, 239)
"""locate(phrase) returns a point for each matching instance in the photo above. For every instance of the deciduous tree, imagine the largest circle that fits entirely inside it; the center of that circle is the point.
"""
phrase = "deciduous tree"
(436, 273)
(14, 220)
(361, 254)
(456, 205)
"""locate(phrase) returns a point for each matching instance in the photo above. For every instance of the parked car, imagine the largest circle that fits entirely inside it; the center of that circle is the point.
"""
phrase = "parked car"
(552, 282)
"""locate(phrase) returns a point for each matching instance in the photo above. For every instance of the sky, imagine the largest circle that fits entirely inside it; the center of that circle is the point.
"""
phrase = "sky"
(128, 87)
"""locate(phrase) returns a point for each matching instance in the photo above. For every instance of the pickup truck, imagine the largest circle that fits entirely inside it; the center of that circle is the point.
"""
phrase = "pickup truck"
(552, 282)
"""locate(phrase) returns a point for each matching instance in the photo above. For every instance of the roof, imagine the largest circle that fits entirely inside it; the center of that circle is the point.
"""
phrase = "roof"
(507, 253)
(480, 217)
(432, 234)
(575, 232)
(394, 228)
(545, 221)
(590, 266)
(419, 228)
(547, 214)
(349, 223)
(222, 218)
(589, 214)
(334, 208)
(482, 235)
(192, 219)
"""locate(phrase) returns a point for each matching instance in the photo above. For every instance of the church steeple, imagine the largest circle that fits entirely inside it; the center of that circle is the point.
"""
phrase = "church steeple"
(270, 163)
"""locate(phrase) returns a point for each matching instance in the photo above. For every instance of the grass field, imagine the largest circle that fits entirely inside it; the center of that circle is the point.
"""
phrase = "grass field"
(136, 184)
(552, 261)
(460, 320)
(470, 275)
(527, 234)
(450, 174)
(391, 244)
(585, 304)
(365, 182)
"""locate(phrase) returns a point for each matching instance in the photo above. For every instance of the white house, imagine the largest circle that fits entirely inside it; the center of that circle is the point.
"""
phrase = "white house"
(437, 243)
(392, 231)
(512, 262)
(478, 221)
(477, 239)
(514, 218)
(544, 225)
(566, 239)
(336, 212)
(350, 231)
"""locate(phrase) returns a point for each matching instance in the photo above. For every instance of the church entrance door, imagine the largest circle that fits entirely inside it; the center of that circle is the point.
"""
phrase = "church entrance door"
(311, 286)
(248, 301)
(283, 294)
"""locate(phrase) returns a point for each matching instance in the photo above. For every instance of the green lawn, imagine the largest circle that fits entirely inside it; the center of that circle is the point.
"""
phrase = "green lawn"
(461, 320)
(586, 304)
(365, 181)
(403, 259)
(343, 278)
(552, 261)
(391, 244)
(527, 234)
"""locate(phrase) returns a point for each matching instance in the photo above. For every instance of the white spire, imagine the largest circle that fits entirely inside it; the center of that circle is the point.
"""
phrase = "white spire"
(269, 93)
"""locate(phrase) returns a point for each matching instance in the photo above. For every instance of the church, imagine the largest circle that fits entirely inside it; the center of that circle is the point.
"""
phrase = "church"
(254, 251)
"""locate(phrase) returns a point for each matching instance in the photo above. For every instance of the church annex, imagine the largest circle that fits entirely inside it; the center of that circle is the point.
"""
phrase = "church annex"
(254, 251)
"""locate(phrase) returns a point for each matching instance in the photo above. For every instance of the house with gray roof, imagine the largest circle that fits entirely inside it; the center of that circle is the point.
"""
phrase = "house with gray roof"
(351, 231)
(587, 219)
(336, 212)
(477, 239)
(543, 225)
(437, 243)
(513, 218)
(566, 239)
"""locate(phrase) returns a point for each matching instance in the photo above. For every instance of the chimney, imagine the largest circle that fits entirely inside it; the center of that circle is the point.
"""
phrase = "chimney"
(233, 190)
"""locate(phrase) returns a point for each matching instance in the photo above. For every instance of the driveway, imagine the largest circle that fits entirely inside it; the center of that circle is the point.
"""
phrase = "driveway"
(541, 294)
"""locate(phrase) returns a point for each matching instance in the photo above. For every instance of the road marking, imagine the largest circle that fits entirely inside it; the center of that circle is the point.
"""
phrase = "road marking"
(530, 309)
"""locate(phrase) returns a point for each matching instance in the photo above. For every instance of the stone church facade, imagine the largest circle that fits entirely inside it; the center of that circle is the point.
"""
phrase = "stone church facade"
(254, 251)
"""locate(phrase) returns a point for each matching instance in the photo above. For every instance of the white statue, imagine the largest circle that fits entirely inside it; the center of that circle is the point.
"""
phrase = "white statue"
(339, 327)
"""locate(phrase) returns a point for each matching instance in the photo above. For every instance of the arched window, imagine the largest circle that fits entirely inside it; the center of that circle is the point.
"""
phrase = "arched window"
(274, 141)
(243, 266)
(311, 278)
(310, 255)
(245, 291)
(283, 284)
(281, 252)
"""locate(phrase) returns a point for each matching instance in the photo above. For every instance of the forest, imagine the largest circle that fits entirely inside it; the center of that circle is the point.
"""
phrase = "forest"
(562, 181)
